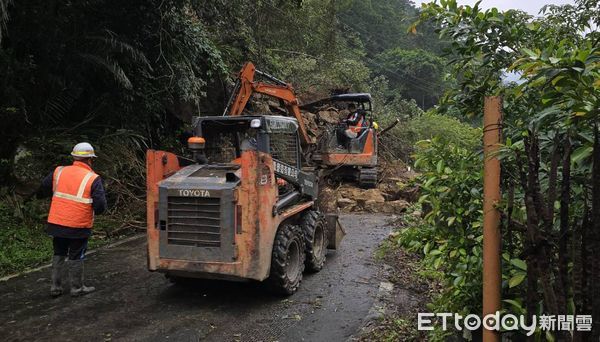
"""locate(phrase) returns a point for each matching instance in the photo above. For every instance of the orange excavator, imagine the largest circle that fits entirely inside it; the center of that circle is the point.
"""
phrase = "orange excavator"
(352, 157)
(246, 86)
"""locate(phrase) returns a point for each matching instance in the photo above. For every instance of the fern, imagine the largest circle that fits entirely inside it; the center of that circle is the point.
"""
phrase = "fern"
(4, 16)
(121, 47)
(109, 65)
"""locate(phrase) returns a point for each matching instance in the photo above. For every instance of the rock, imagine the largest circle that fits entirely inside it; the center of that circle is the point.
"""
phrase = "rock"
(330, 116)
(272, 103)
(394, 207)
(410, 194)
(345, 203)
(372, 206)
(373, 195)
(327, 200)
(261, 108)
(352, 193)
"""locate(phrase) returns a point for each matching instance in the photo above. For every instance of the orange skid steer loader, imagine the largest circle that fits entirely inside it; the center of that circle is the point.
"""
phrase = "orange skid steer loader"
(240, 209)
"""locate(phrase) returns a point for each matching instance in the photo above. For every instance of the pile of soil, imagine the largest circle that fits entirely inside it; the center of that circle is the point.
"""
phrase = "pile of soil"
(316, 121)
(392, 195)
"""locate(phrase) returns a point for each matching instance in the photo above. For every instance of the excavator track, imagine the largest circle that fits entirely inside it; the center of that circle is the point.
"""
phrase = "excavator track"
(367, 177)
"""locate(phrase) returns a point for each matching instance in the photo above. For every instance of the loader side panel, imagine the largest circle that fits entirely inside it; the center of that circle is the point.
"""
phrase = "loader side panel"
(159, 165)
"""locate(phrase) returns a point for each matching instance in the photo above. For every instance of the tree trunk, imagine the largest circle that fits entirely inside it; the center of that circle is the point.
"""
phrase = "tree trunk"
(535, 209)
(509, 221)
(532, 290)
(580, 287)
(594, 263)
(552, 177)
(563, 241)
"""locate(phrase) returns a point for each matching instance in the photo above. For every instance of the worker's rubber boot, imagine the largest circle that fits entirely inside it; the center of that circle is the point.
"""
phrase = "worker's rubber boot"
(57, 271)
(76, 273)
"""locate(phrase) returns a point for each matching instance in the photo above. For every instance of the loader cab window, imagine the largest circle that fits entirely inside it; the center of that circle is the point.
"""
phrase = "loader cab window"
(225, 140)
(284, 144)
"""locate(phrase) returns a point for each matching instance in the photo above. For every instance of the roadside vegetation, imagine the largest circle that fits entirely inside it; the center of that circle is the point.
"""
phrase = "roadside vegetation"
(128, 76)
(550, 163)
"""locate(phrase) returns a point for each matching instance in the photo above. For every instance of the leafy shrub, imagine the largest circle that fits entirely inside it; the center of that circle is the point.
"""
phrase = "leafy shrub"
(399, 143)
(450, 236)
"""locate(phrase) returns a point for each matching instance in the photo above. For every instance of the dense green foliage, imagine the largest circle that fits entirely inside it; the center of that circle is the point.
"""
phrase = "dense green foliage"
(401, 142)
(550, 160)
(127, 76)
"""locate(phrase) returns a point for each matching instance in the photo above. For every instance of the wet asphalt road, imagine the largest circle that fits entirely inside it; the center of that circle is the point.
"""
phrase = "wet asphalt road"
(132, 304)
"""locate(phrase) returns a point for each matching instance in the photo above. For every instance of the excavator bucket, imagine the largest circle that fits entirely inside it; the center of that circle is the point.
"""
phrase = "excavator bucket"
(335, 231)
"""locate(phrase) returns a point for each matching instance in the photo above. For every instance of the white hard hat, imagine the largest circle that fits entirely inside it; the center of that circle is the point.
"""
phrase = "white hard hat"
(83, 150)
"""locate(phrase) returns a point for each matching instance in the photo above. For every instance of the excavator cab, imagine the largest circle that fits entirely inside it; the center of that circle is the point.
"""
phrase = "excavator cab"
(351, 146)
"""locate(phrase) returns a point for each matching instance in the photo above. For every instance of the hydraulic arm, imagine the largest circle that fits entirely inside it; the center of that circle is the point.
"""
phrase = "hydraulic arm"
(246, 86)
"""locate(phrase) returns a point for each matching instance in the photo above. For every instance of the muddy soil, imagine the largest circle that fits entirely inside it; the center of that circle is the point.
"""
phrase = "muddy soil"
(132, 304)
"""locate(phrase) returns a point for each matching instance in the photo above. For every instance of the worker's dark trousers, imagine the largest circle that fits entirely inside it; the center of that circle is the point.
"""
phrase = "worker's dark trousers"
(73, 248)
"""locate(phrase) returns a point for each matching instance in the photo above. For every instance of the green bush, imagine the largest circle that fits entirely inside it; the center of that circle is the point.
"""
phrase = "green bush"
(399, 143)
(450, 236)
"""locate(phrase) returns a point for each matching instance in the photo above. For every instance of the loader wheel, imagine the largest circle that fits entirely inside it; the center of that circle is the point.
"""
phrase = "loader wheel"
(287, 261)
(367, 177)
(315, 237)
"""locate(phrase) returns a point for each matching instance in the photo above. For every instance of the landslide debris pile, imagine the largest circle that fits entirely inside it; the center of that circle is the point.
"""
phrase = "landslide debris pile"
(391, 196)
(393, 192)
(317, 121)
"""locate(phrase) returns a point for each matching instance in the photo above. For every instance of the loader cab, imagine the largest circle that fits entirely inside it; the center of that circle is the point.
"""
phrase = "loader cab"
(228, 136)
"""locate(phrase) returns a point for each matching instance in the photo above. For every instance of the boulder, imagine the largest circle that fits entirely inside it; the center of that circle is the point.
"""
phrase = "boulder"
(330, 116)
(373, 195)
(372, 206)
(327, 200)
(394, 207)
(345, 203)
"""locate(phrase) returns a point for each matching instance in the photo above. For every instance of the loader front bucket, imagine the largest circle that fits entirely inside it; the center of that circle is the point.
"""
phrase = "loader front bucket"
(335, 231)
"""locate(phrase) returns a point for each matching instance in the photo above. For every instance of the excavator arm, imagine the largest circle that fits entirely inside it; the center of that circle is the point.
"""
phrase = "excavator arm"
(246, 86)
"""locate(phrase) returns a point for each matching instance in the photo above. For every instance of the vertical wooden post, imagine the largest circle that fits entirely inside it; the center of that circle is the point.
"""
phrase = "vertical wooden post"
(492, 278)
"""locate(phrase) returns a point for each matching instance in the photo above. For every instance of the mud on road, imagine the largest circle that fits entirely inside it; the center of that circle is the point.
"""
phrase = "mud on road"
(132, 304)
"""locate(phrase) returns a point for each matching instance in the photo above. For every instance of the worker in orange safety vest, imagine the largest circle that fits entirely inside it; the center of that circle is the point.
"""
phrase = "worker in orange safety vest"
(77, 195)
(352, 126)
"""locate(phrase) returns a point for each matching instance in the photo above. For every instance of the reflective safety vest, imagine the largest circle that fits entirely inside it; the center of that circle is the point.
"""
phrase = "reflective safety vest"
(72, 196)
(358, 127)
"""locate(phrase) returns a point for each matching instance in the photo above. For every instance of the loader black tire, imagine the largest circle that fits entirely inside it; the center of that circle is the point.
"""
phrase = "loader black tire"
(287, 260)
(367, 177)
(315, 238)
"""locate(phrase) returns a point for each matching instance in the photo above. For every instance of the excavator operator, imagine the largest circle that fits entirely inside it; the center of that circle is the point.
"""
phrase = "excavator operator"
(351, 127)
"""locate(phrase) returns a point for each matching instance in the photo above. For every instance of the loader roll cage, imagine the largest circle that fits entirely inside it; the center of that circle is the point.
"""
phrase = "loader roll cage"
(227, 136)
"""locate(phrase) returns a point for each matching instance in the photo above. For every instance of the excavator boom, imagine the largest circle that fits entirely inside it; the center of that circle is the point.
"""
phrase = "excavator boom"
(246, 86)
